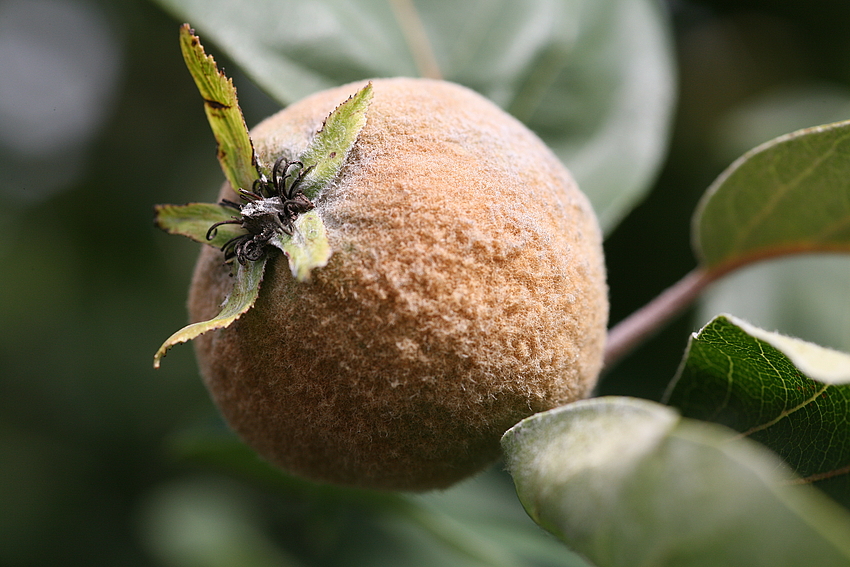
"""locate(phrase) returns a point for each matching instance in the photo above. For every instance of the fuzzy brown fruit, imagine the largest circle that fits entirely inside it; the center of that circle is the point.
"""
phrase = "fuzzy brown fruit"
(466, 291)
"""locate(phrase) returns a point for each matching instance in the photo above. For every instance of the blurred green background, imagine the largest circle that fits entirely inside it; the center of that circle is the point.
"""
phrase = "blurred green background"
(99, 120)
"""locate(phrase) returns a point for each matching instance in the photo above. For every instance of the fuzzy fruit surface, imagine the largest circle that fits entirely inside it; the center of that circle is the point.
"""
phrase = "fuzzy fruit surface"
(466, 291)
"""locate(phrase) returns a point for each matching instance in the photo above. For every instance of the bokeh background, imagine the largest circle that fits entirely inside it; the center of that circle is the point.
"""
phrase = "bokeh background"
(99, 120)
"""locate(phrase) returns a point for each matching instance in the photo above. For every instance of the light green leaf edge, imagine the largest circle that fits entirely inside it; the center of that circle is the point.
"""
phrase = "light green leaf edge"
(194, 221)
(235, 150)
(246, 289)
(629, 482)
(331, 145)
(790, 395)
(816, 362)
(789, 195)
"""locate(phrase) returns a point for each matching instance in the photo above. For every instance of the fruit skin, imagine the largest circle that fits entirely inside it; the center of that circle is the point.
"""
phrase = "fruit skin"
(466, 291)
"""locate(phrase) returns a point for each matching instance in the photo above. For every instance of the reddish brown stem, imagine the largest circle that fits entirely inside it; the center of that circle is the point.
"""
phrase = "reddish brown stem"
(645, 322)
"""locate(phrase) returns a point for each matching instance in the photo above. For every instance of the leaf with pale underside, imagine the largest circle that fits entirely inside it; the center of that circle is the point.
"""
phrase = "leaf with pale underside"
(195, 219)
(331, 145)
(789, 195)
(629, 482)
(246, 288)
(235, 150)
(790, 395)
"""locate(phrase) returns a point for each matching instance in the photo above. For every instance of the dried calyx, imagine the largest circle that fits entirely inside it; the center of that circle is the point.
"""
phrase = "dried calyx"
(268, 211)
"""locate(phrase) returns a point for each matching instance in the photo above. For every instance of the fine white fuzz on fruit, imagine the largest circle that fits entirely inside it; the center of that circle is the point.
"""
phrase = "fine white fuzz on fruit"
(466, 291)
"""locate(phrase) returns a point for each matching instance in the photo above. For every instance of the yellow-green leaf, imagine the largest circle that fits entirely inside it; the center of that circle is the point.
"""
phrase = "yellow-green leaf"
(195, 219)
(235, 150)
(331, 145)
(789, 195)
(246, 288)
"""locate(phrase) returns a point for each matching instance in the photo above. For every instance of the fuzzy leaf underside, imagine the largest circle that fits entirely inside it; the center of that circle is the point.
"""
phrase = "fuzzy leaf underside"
(246, 288)
(629, 482)
(307, 248)
(331, 145)
(195, 219)
(789, 195)
(235, 150)
(790, 395)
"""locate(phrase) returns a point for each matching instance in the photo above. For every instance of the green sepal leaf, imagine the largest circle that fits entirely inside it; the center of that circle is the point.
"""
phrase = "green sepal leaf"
(235, 150)
(246, 288)
(331, 145)
(308, 246)
(789, 395)
(195, 219)
(629, 482)
(789, 195)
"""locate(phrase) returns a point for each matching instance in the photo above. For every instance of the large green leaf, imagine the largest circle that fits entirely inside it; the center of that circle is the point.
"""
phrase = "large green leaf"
(629, 482)
(594, 79)
(789, 195)
(788, 394)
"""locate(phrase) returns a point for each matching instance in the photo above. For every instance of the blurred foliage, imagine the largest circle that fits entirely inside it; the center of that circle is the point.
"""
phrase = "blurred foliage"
(593, 79)
(626, 482)
(90, 288)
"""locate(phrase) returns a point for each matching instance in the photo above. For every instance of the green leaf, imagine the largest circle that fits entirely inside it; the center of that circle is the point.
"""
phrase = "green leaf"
(195, 219)
(308, 246)
(246, 287)
(790, 395)
(789, 195)
(594, 79)
(332, 144)
(235, 150)
(628, 482)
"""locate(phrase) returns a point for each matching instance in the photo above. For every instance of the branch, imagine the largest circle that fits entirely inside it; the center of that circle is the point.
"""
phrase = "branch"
(648, 320)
